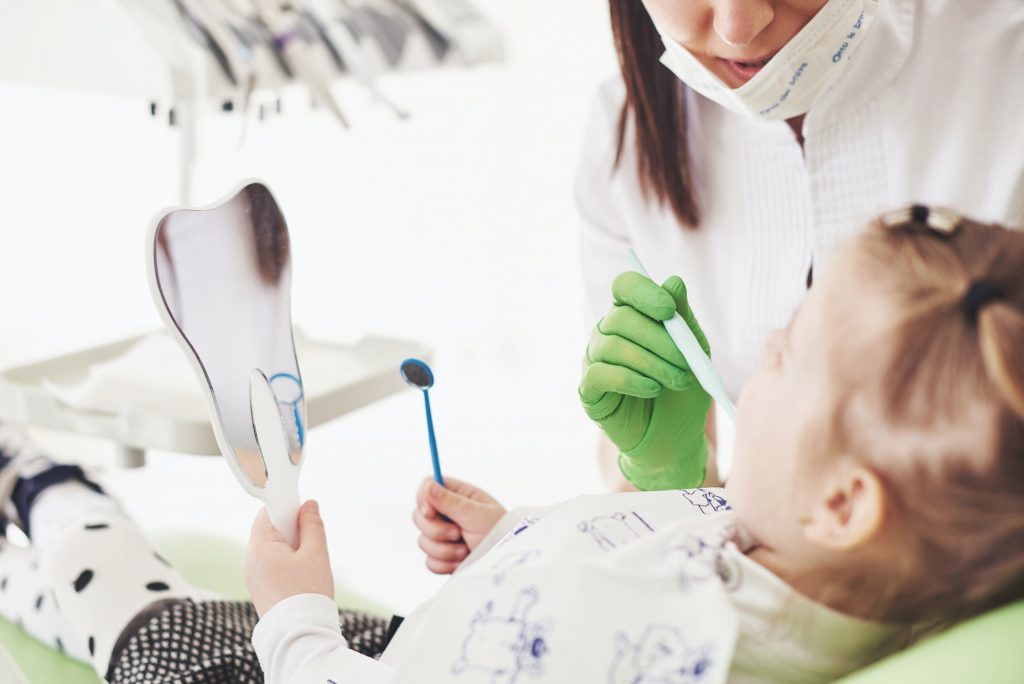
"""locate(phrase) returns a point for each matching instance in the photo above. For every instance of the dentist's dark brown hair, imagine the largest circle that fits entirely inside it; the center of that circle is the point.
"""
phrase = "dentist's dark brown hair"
(654, 113)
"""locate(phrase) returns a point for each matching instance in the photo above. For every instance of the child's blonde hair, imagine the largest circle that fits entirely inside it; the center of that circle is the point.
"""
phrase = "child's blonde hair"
(941, 419)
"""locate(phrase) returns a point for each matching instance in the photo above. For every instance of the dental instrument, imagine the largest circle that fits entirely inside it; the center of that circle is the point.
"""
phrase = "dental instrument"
(357, 63)
(419, 375)
(297, 48)
(686, 341)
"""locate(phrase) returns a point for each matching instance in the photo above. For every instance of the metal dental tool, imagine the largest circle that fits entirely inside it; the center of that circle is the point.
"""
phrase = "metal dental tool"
(297, 48)
(352, 52)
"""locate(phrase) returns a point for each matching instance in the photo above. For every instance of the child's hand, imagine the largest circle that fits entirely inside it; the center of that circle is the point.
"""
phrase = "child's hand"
(472, 513)
(274, 570)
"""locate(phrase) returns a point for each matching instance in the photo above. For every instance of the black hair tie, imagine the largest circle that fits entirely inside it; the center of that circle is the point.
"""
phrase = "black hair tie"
(980, 294)
(919, 217)
(919, 214)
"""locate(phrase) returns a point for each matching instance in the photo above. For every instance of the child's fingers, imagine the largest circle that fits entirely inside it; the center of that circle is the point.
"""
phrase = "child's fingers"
(443, 551)
(436, 529)
(423, 499)
(448, 502)
(312, 535)
(441, 567)
(263, 531)
(468, 490)
(458, 486)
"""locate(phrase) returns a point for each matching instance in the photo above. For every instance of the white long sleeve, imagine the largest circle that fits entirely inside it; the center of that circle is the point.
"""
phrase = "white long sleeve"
(299, 640)
(604, 238)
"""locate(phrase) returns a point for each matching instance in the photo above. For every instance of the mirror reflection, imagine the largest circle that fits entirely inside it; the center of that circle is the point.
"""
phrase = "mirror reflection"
(224, 274)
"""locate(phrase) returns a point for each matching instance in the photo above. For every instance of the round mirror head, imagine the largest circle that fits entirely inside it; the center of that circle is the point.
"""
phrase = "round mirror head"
(417, 374)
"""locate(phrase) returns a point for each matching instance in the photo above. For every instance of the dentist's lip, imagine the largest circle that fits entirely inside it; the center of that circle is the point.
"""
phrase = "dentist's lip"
(745, 69)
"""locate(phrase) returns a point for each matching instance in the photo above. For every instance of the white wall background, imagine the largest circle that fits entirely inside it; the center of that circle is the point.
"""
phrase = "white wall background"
(456, 228)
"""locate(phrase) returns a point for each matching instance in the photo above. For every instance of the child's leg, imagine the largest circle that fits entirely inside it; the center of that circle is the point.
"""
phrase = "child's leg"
(100, 567)
(89, 562)
(209, 642)
(27, 601)
(121, 604)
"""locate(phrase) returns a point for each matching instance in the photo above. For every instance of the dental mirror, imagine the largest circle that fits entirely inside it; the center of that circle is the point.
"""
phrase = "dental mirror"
(220, 277)
(418, 374)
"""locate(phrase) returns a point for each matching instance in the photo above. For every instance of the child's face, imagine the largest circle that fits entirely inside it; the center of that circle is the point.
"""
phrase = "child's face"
(777, 474)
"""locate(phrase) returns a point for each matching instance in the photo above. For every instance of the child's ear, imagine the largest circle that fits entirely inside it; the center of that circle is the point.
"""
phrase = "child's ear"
(850, 510)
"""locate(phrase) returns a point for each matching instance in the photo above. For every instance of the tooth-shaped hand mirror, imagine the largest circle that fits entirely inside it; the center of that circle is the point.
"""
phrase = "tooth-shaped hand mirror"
(221, 279)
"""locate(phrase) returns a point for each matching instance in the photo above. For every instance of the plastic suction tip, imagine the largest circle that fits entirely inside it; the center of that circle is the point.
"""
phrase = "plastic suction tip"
(417, 374)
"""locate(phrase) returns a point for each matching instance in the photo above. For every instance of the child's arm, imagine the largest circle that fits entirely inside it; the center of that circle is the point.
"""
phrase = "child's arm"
(299, 641)
(471, 514)
(298, 638)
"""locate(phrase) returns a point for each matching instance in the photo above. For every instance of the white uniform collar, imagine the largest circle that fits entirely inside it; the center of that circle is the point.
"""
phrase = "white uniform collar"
(785, 635)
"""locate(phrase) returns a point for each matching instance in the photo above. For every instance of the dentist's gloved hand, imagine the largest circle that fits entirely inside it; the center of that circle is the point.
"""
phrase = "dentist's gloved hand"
(638, 387)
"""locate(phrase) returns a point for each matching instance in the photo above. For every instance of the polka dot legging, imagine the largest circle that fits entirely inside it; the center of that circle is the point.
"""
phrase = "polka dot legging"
(101, 594)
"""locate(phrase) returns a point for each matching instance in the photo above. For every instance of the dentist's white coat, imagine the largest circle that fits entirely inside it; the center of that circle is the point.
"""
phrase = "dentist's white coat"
(930, 110)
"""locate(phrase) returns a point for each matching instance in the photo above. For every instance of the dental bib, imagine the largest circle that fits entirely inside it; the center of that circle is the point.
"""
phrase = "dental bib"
(797, 77)
(607, 588)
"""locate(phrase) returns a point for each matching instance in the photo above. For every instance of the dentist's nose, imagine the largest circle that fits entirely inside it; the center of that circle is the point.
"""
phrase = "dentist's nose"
(739, 22)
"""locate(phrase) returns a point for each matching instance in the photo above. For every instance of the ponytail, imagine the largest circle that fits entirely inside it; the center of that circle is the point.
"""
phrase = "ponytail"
(1001, 333)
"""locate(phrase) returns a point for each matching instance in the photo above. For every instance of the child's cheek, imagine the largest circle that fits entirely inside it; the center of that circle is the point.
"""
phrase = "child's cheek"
(748, 413)
(751, 439)
(752, 392)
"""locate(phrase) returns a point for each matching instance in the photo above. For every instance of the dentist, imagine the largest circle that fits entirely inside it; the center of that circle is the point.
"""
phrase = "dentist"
(741, 142)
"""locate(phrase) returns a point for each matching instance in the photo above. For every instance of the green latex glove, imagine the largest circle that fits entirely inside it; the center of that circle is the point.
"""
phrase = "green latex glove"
(638, 387)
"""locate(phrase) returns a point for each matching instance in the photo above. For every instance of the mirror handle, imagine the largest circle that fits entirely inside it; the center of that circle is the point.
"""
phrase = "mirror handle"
(283, 507)
(281, 494)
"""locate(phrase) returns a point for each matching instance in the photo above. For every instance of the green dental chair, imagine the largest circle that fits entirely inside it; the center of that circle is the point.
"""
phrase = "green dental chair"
(986, 650)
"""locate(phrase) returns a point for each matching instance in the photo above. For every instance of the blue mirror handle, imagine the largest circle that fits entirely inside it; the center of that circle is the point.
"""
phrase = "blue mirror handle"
(433, 441)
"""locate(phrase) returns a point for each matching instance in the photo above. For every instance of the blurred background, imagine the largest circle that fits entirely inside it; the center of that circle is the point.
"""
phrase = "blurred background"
(455, 228)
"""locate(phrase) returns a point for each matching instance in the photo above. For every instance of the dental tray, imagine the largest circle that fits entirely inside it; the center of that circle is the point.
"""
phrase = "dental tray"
(159, 406)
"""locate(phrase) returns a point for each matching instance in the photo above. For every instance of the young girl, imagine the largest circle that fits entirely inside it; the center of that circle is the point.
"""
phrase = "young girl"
(878, 485)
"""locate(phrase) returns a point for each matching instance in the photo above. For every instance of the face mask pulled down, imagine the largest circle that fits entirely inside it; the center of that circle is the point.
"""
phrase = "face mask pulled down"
(797, 77)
